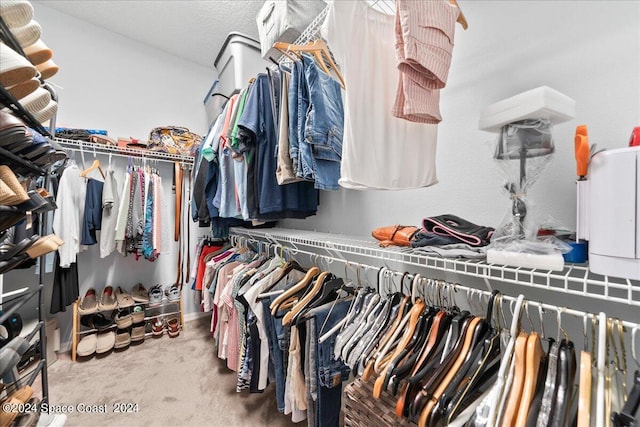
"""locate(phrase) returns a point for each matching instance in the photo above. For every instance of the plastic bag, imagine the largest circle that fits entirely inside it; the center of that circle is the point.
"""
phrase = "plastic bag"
(523, 150)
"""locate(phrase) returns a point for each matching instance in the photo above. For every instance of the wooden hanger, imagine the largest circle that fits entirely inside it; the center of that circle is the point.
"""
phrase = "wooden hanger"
(517, 387)
(284, 49)
(317, 286)
(461, 19)
(313, 271)
(534, 356)
(414, 315)
(318, 49)
(95, 165)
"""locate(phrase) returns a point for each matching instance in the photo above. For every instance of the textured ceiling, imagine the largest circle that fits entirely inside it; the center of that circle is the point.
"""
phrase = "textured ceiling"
(193, 30)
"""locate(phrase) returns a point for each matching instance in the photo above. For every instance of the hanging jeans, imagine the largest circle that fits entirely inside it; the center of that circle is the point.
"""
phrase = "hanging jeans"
(330, 373)
(323, 128)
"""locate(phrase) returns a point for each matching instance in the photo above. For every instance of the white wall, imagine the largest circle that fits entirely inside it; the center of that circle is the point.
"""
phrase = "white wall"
(111, 82)
(588, 50)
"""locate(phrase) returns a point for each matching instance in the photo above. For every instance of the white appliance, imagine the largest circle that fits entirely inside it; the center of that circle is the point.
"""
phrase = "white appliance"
(614, 213)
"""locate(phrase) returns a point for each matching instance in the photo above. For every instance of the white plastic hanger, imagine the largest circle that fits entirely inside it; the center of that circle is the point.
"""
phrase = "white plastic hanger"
(505, 366)
(600, 392)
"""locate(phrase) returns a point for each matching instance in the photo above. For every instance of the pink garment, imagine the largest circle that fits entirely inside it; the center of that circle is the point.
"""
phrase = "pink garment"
(232, 335)
(224, 275)
(424, 42)
(157, 210)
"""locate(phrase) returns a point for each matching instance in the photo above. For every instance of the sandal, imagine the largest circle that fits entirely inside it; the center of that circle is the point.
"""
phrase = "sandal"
(173, 326)
(157, 327)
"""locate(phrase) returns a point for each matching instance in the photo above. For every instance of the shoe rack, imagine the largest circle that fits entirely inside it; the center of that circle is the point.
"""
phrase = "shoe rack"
(79, 330)
(15, 386)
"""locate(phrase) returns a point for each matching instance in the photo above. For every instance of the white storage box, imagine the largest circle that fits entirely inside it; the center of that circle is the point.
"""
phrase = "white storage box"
(284, 21)
(539, 103)
(238, 61)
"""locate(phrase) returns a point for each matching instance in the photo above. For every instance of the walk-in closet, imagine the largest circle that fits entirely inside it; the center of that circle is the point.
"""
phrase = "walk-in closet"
(325, 213)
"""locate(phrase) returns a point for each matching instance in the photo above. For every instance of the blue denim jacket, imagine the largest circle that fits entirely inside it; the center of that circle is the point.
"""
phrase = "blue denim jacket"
(324, 126)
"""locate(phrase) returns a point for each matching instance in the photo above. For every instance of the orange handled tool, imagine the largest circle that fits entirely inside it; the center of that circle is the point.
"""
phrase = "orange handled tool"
(582, 151)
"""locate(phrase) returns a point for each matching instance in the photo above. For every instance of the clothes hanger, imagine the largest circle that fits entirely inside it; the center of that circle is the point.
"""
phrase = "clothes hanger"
(386, 337)
(95, 165)
(318, 49)
(479, 381)
(469, 336)
(413, 316)
(298, 287)
(436, 370)
(354, 347)
(432, 346)
(585, 380)
(515, 392)
(534, 357)
(448, 384)
(361, 323)
(306, 299)
(461, 18)
(497, 396)
(396, 366)
(627, 416)
(475, 361)
(368, 303)
(379, 329)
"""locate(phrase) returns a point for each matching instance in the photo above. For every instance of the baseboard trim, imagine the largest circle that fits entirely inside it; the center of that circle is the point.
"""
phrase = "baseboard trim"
(195, 316)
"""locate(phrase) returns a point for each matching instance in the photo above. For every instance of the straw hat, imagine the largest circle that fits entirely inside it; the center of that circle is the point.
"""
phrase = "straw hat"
(38, 52)
(47, 69)
(47, 112)
(16, 13)
(36, 101)
(23, 89)
(27, 34)
(14, 68)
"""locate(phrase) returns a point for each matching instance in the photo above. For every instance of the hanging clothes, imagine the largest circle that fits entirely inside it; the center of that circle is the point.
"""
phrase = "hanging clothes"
(92, 218)
(67, 219)
(379, 151)
(110, 209)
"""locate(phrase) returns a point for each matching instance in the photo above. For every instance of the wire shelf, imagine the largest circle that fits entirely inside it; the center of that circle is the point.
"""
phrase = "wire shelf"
(574, 279)
(122, 151)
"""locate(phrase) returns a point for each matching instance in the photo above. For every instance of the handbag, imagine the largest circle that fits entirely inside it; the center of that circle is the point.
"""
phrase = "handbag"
(398, 235)
(174, 140)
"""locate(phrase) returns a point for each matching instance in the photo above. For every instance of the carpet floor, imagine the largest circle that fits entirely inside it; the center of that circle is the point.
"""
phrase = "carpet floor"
(171, 381)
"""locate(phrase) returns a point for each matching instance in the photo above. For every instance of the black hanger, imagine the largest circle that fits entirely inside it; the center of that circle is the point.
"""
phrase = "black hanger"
(481, 342)
(440, 370)
(627, 417)
(564, 389)
(418, 337)
(404, 367)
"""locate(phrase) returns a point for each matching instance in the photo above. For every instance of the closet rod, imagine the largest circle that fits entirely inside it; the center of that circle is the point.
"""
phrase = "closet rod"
(236, 239)
(75, 145)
